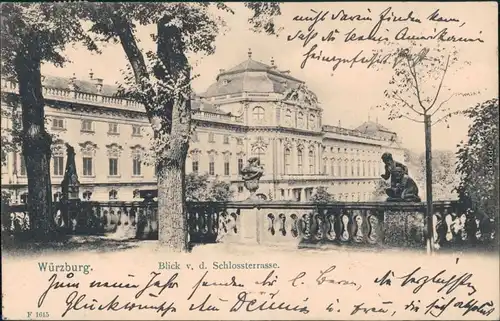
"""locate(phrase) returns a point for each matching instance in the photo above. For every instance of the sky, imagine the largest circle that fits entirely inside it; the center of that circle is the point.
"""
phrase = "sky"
(349, 94)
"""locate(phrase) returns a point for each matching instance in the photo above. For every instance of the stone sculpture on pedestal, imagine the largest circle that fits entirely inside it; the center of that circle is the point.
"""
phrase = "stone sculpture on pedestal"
(403, 187)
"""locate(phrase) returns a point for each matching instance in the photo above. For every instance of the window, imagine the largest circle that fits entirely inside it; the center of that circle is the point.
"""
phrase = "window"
(87, 166)
(86, 125)
(57, 123)
(240, 189)
(113, 195)
(57, 196)
(239, 141)
(364, 168)
(312, 122)
(258, 114)
(87, 195)
(88, 152)
(113, 128)
(339, 167)
(240, 164)
(299, 161)
(24, 198)
(325, 165)
(332, 166)
(288, 156)
(22, 165)
(300, 120)
(136, 164)
(359, 196)
(227, 158)
(357, 168)
(195, 166)
(58, 163)
(113, 167)
(195, 137)
(278, 115)
(136, 130)
(346, 168)
(288, 117)
(211, 138)
(312, 162)
(260, 153)
(211, 165)
(226, 139)
(352, 167)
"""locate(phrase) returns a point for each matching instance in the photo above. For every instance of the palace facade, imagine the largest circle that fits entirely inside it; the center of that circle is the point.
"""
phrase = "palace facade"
(253, 109)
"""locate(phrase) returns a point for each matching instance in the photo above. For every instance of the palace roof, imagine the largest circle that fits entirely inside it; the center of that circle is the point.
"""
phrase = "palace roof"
(370, 127)
(252, 76)
(87, 86)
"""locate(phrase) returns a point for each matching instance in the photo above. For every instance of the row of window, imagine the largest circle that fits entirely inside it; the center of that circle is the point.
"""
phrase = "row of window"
(87, 166)
(258, 116)
(340, 168)
(88, 126)
(346, 168)
(211, 138)
(87, 195)
(113, 169)
(211, 166)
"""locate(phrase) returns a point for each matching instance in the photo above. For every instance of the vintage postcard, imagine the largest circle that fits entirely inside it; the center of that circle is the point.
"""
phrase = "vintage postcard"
(250, 161)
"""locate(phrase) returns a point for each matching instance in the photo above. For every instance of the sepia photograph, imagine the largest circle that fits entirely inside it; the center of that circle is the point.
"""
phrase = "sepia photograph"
(250, 160)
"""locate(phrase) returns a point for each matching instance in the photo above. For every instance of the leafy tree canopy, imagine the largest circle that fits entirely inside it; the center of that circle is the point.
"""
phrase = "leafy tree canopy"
(51, 25)
(199, 188)
(478, 160)
(321, 195)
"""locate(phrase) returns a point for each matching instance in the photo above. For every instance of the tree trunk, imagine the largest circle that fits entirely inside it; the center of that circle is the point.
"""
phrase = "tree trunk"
(428, 184)
(35, 142)
(172, 209)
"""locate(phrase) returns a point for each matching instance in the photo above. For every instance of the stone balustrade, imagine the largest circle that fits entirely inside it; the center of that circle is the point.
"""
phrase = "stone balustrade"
(274, 223)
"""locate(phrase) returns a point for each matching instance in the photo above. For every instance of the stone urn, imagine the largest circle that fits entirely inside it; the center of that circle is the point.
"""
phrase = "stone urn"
(251, 175)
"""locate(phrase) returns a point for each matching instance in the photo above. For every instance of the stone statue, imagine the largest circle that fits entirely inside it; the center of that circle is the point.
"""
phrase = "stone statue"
(70, 184)
(251, 175)
(403, 187)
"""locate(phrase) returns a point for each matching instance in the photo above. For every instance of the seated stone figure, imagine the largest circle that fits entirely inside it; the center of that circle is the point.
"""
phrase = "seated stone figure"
(405, 189)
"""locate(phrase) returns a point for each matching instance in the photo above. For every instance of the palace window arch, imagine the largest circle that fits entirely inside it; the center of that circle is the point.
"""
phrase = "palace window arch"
(258, 113)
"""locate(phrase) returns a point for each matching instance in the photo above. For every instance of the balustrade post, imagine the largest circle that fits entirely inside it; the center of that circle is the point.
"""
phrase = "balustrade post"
(251, 226)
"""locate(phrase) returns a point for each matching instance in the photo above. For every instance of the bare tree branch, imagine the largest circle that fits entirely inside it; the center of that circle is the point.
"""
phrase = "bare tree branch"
(407, 104)
(440, 83)
(442, 103)
(446, 116)
(413, 72)
(412, 119)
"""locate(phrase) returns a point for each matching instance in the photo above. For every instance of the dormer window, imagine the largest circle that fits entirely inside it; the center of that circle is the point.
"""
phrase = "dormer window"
(285, 84)
(225, 81)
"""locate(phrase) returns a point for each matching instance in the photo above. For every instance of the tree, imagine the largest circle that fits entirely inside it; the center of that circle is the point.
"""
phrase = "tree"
(160, 80)
(444, 178)
(416, 93)
(32, 34)
(199, 188)
(321, 195)
(478, 161)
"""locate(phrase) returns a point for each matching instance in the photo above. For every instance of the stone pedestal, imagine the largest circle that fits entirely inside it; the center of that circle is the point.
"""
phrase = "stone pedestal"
(249, 219)
(404, 229)
(248, 229)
